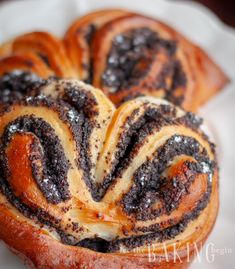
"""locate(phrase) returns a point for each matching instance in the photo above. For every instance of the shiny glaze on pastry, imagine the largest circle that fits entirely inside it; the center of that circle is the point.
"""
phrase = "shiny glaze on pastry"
(39, 52)
(132, 55)
(97, 186)
(127, 55)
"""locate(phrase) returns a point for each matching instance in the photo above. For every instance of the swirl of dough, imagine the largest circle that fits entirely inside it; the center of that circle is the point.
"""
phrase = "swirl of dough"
(108, 179)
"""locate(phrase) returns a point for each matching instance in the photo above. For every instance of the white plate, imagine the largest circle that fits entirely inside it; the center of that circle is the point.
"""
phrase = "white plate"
(201, 26)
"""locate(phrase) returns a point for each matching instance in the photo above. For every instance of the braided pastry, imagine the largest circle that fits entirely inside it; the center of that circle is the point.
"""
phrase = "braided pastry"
(99, 187)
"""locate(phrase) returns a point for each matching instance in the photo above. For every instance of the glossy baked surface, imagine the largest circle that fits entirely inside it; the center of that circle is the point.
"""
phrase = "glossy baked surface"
(126, 54)
(219, 42)
(114, 181)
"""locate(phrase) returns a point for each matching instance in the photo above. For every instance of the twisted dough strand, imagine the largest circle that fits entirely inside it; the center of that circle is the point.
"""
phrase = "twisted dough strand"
(38, 52)
(125, 54)
(104, 178)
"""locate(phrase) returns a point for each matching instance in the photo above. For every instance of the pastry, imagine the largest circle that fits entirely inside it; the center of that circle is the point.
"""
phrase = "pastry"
(18, 84)
(28, 59)
(133, 55)
(25, 62)
(100, 187)
(125, 54)
(39, 52)
(78, 39)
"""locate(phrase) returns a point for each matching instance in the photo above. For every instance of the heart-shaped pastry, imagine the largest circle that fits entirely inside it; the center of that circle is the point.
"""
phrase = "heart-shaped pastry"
(86, 185)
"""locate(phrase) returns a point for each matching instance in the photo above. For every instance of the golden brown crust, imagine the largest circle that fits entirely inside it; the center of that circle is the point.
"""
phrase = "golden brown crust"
(79, 35)
(44, 45)
(203, 77)
(211, 79)
(28, 62)
(84, 161)
(158, 61)
(41, 251)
